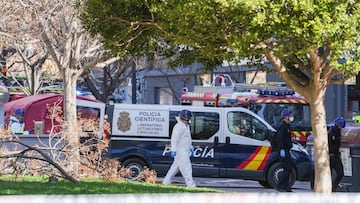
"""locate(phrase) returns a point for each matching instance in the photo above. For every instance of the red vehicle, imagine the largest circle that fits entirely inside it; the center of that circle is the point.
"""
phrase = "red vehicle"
(38, 111)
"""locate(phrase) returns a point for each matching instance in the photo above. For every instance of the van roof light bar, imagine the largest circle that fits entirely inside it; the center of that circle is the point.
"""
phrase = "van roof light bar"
(269, 92)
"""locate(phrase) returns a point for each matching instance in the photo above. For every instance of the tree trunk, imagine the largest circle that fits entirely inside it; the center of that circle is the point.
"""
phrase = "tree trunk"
(70, 120)
(90, 84)
(35, 79)
(321, 159)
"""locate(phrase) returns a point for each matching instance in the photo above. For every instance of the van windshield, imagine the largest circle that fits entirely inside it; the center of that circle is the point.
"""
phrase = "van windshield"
(302, 119)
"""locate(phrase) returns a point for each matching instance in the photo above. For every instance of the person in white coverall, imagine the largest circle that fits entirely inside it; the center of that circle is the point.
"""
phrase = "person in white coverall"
(181, 150)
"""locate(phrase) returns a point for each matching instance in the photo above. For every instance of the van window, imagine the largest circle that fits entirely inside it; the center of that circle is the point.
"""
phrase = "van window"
(243, 124)
(301, 112)
(203, 124)
(88, 118)
(88, 112)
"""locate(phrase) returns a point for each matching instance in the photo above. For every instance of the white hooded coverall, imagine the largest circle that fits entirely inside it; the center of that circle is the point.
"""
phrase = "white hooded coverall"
(181, 143)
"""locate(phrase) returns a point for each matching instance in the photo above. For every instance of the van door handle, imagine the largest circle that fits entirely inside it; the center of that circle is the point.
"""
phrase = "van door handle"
(216, 140)
(227, 140)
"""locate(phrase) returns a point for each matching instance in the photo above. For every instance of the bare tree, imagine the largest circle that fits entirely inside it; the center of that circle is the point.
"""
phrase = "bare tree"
(73, 51)
(54, 26)
(111, 74)
(18, 32)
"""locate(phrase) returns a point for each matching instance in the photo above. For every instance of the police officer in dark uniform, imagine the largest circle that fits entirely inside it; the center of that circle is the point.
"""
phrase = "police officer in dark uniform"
(283, 148)
(334, 138)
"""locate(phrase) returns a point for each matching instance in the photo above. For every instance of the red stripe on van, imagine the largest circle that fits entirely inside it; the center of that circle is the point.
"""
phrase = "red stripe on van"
(249, 159)
(263, 164)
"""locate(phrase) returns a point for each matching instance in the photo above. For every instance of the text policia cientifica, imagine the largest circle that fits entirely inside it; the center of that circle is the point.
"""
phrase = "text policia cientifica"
(149, 116)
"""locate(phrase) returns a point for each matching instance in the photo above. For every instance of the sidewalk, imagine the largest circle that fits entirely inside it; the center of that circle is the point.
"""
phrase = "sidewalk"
(187, 197)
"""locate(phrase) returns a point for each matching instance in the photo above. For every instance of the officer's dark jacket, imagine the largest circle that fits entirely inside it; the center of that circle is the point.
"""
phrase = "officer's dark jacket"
(334, 138)
(284, 136)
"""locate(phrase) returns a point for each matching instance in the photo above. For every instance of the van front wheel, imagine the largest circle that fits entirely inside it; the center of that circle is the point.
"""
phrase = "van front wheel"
(263, 183)
(274, 172)
(135, 167)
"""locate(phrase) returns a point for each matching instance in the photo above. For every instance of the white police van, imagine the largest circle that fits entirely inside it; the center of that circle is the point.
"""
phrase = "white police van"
(228, 142)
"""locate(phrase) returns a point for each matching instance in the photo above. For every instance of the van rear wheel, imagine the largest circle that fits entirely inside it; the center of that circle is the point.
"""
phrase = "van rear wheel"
(273, 175)
(135, 166)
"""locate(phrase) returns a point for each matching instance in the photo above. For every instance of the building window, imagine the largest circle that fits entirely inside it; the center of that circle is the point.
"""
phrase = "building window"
(163, 96)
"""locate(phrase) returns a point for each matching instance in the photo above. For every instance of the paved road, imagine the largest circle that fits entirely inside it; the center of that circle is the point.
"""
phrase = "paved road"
(236, 185)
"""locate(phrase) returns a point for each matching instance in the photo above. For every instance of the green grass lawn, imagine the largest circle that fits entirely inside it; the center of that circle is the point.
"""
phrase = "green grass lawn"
(40, 185)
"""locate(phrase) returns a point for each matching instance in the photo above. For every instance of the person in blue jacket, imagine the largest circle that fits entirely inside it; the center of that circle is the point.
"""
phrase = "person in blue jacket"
(16, 124)
(283, 148)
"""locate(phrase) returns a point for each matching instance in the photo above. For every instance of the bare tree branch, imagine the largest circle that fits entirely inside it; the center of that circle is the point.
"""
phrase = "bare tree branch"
(45, 158)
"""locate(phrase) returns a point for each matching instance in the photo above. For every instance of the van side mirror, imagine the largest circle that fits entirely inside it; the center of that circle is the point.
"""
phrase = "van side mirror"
(272, 139)
(270, 135)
